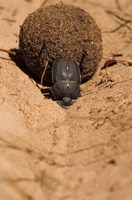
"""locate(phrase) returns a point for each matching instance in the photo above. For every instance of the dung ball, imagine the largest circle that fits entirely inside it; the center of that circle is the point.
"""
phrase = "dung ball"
(60, 31)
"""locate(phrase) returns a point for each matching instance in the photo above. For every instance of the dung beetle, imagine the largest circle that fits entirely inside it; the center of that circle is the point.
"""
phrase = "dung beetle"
(66, 81)
(66, 78)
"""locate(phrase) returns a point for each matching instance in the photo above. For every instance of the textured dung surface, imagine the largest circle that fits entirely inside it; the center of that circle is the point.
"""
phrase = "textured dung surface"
(68, 32)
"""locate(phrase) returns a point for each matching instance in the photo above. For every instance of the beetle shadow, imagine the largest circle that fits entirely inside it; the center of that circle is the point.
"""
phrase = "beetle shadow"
(20, 63)
(18, 59)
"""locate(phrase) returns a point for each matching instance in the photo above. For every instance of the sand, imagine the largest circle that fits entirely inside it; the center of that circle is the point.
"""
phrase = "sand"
(83, 152)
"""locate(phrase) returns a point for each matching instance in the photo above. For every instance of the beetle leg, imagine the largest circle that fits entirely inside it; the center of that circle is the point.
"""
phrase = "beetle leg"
(39, 56)
(84, 59)
(45, 51)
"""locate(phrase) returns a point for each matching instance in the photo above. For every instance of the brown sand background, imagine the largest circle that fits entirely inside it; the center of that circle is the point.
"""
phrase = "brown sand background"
(84, 152)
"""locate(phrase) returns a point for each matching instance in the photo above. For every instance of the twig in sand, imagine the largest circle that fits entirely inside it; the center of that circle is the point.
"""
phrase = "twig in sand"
(110, 62)
(44, 3)
(118, 5)
(8, 51)
(124, 24)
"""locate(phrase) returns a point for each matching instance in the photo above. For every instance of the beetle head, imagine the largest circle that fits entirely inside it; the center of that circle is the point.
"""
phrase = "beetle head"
(65, 102)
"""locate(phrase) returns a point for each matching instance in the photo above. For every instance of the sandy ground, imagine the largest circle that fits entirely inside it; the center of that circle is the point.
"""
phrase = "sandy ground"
(84, 152)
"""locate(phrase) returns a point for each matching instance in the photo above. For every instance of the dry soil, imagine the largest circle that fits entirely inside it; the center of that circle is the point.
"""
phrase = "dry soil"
(83, 152)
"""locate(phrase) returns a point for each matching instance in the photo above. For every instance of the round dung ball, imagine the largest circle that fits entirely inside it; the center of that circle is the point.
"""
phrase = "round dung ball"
(60, 31)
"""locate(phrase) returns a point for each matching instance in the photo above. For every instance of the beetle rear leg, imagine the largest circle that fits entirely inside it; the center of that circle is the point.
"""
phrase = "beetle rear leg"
(86, 69)
(43, 60)
(83, 59)
(45, 51)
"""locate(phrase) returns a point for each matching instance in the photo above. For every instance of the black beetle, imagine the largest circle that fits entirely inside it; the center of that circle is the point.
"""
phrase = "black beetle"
(66, 81)
(66, 78)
